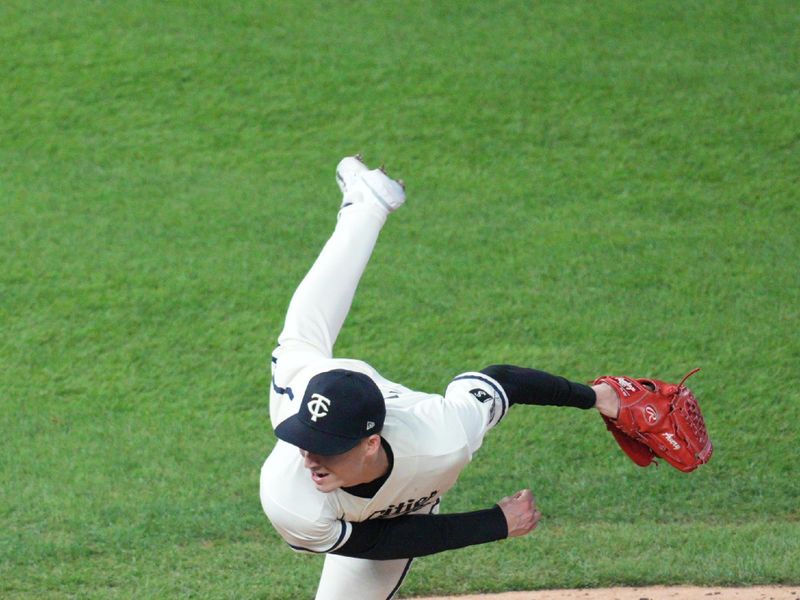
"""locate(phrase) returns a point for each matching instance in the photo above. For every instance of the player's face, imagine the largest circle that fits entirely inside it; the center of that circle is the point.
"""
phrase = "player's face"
(331, 472)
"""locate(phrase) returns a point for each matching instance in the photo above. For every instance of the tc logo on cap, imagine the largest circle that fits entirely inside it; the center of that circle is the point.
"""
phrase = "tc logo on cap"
(318, 406)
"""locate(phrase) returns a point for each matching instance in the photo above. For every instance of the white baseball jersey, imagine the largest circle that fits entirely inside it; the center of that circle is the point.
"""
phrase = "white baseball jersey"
(432, 438)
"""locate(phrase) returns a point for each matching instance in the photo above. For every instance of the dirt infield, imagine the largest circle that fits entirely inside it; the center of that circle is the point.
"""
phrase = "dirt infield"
(644, 593)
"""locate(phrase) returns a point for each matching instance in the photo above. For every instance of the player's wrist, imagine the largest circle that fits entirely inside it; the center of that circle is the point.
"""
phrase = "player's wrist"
(606, 400)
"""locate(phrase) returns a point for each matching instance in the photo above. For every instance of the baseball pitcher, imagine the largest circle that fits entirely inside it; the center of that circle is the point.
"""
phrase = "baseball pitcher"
(361, 463)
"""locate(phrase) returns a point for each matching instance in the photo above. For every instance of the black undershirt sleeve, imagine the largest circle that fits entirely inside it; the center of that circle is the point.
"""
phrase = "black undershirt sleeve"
(419, 535)
(529, 386)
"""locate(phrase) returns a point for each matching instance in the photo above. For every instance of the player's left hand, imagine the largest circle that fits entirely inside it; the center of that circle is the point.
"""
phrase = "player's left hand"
(659, 419)
(521, 513)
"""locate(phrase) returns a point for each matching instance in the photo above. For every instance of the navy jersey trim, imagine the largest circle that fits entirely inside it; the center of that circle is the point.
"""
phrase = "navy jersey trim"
(278, 389)
(331, 549)
(402, 578)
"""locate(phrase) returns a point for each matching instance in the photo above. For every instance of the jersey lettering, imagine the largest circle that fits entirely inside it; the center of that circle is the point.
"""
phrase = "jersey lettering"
(402, 508)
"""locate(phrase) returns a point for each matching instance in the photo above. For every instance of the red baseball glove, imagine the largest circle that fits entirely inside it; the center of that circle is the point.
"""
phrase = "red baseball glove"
(659, 419)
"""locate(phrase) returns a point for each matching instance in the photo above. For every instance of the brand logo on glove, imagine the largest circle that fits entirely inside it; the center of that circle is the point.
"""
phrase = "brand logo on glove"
(651, 414)
(625, 385)
(671, 439)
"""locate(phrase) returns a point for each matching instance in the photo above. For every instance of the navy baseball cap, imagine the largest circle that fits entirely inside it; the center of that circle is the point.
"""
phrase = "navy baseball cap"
(339, 408)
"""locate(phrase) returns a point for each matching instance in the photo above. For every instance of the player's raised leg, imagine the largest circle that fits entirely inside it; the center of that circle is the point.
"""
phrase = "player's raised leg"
(321, 302)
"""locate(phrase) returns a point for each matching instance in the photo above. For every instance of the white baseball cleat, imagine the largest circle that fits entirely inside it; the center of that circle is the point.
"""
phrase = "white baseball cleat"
(348, 171)
(361, 184)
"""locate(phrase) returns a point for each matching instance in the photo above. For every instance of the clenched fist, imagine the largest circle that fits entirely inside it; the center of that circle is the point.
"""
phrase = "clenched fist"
(520, 512)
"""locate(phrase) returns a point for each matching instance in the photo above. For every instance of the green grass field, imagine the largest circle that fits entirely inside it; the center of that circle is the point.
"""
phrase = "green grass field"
(593, 188)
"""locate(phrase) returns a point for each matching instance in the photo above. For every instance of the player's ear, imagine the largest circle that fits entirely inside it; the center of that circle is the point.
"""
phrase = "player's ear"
(373, 443)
